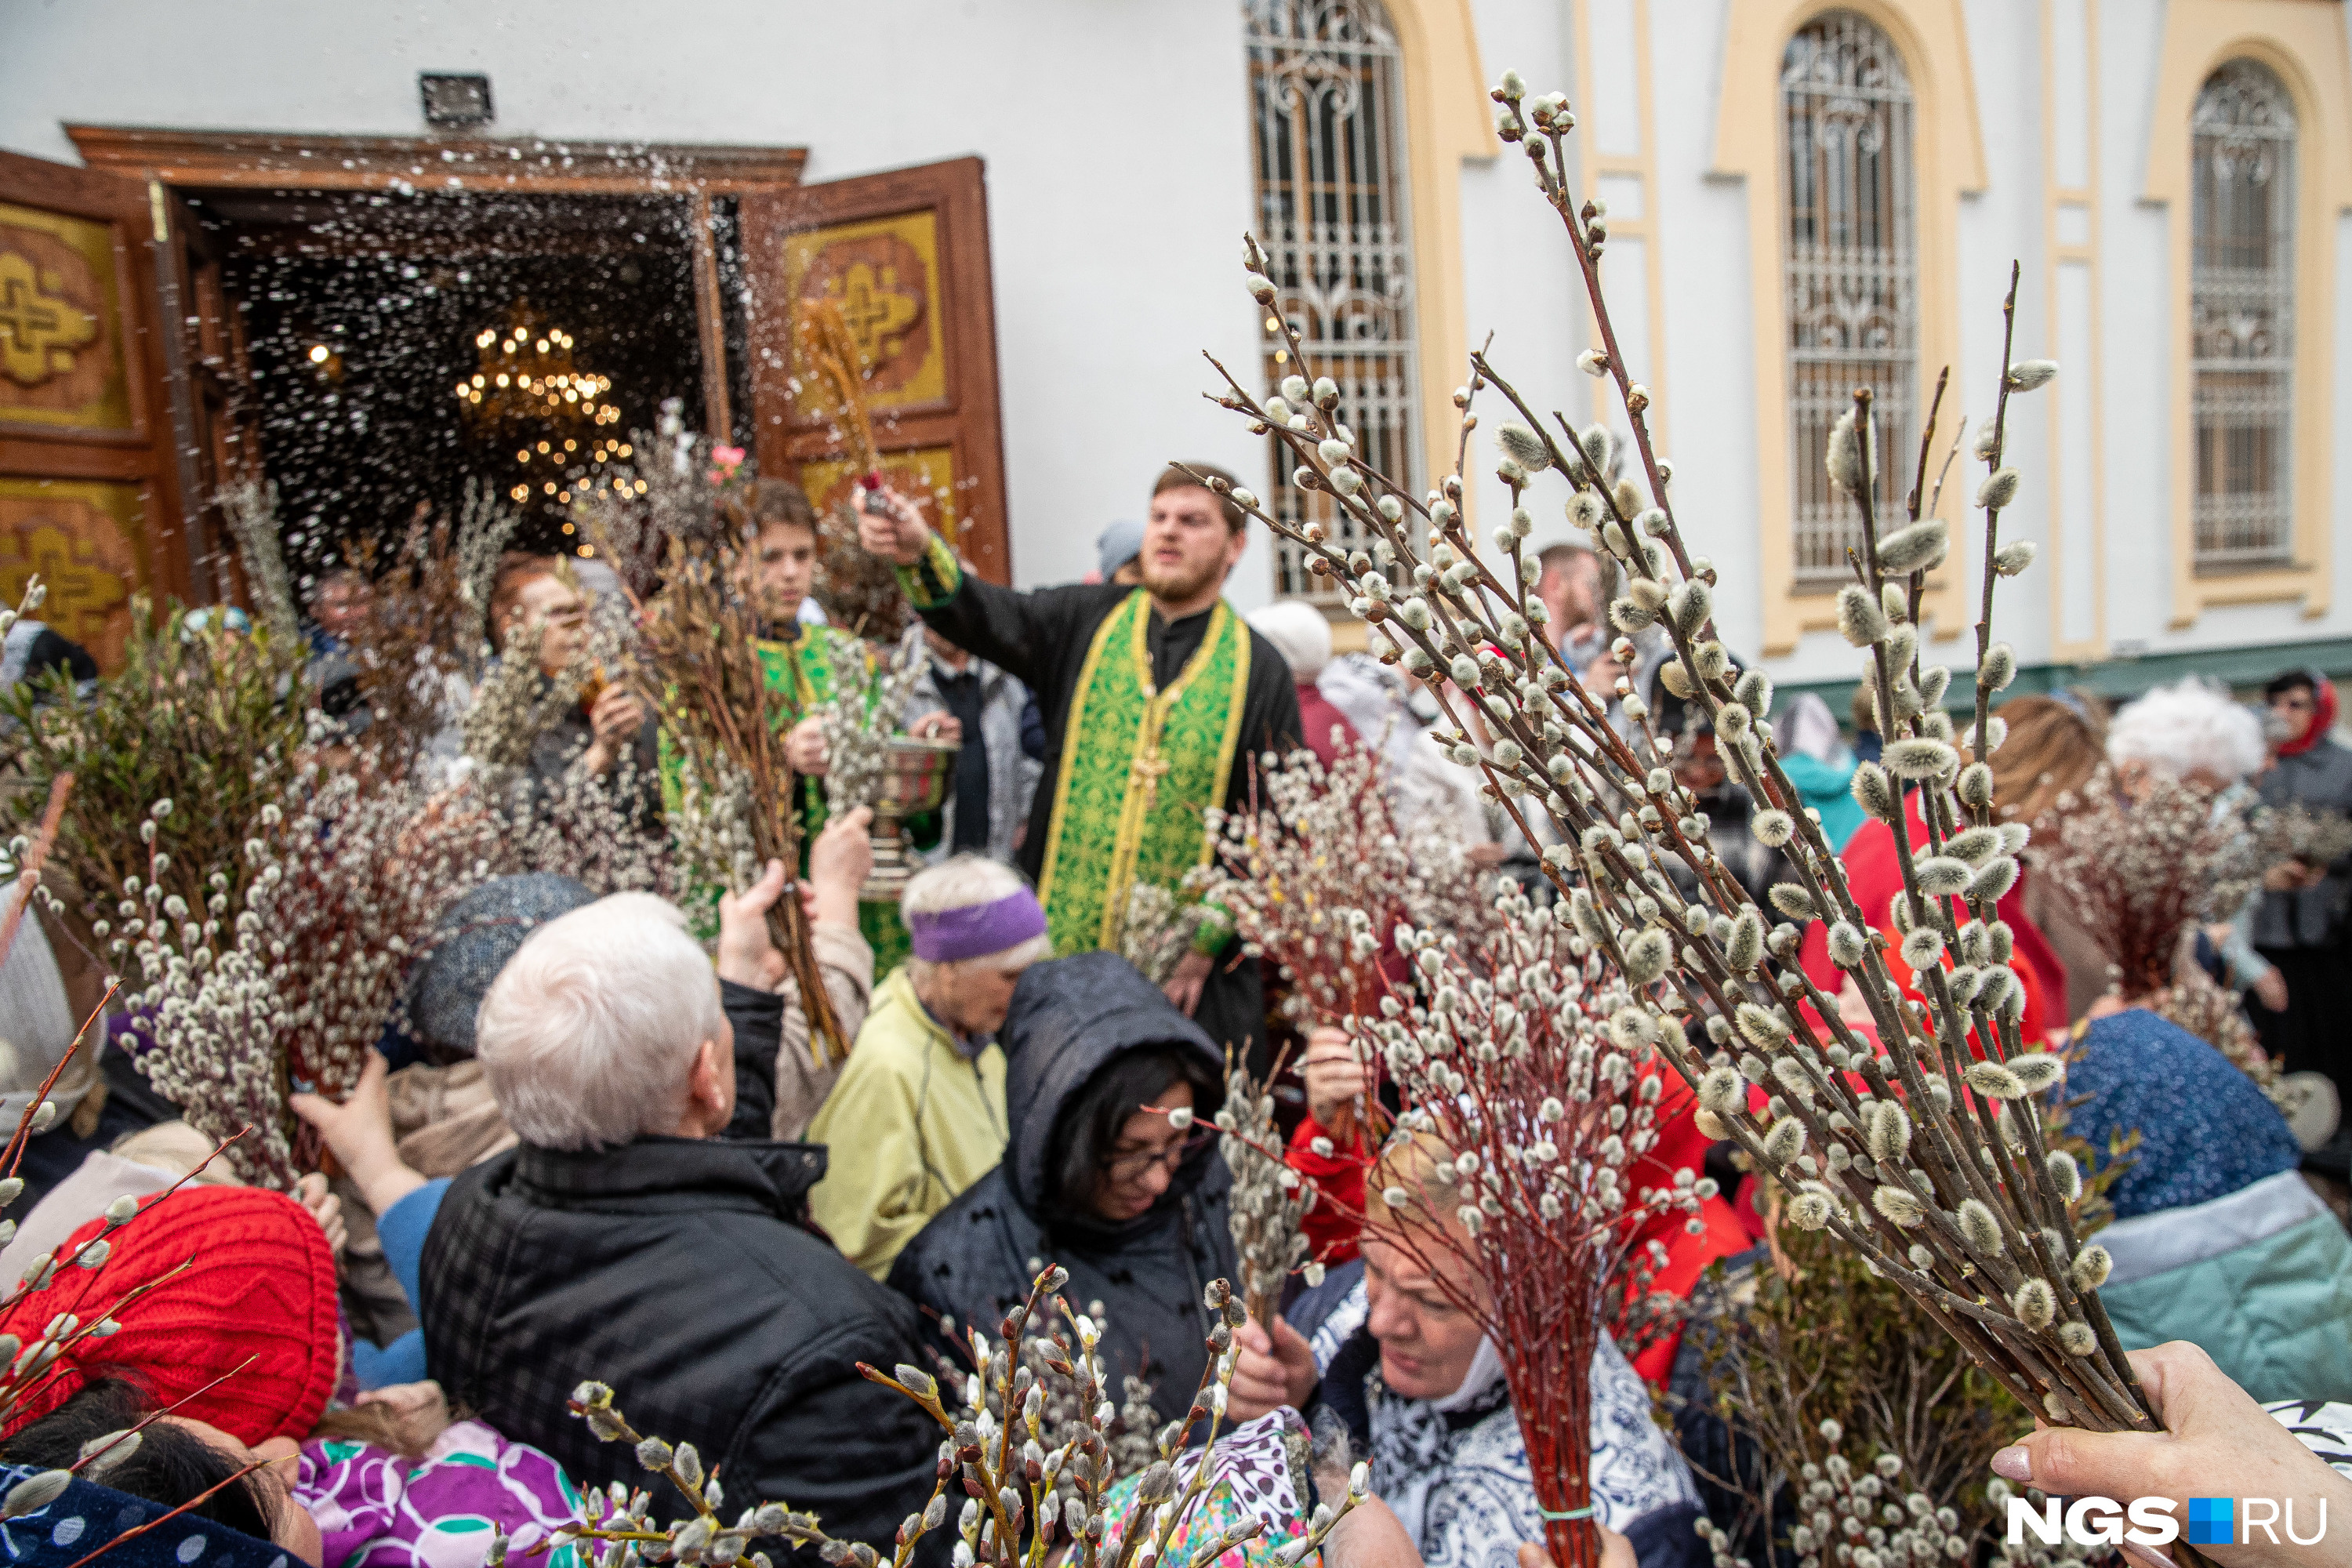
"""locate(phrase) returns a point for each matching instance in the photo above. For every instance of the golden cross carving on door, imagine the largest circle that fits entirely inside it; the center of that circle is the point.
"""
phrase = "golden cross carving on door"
(39, 329)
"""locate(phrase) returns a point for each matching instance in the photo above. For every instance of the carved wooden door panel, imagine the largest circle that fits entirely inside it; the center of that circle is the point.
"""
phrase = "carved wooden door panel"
(906, 255)
(217, 419)
(89, 493)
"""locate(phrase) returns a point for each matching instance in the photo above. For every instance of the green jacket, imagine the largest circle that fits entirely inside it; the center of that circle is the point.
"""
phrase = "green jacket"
(910, 1124)
(2261, 1278)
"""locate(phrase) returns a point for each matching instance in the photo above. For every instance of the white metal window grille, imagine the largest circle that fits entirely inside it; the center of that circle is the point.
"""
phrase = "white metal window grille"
(1328, 137)
(1853, 274)
(2241, 315)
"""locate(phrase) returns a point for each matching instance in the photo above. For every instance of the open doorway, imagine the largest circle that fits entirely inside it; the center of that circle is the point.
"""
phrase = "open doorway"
(213, 307)
(403, 349)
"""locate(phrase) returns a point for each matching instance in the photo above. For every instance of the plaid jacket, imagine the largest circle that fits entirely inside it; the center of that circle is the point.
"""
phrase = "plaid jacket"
(678, 1271)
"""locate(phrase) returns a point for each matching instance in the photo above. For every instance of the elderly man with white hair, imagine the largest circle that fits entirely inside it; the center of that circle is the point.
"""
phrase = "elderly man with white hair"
(626, 1242)
(922, 1099)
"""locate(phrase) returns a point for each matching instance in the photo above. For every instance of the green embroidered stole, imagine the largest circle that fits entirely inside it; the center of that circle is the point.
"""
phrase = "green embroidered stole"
(802, 670)
(803, 673)
(1138, 767)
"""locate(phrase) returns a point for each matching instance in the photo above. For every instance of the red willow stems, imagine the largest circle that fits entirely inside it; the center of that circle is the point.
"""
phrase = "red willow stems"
(1533, 1099)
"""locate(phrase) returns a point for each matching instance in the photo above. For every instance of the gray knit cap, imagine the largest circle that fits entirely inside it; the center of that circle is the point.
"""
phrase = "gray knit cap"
(472, 942)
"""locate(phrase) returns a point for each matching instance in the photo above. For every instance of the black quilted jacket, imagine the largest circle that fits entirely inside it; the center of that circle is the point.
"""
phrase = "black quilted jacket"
(678, 1272)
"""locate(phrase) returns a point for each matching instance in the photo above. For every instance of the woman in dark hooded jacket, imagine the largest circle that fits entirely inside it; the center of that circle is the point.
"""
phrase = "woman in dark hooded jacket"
(1096, 1177)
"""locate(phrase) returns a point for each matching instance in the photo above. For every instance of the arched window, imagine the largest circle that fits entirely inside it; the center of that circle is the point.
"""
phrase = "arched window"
(1326, 137)
(1852, 273)
(2241, 315)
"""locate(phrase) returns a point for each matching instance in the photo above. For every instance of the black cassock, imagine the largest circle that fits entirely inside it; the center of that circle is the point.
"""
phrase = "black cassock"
(1041, 637)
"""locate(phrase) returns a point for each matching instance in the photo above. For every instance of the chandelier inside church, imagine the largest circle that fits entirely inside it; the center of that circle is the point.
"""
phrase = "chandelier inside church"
(561, 418)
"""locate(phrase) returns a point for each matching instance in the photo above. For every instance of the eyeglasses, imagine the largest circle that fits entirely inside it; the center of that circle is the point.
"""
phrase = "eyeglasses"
(1131, 1167)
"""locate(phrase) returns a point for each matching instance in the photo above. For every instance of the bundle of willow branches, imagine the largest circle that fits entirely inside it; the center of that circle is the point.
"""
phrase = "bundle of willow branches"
(1028, 1485)
(861, 719)
(193, 715)
(251, 507)
(1525, 1069)
(2142, 872)
(1317, 874)
(1268, 1199)
(1161, 923)
(696, 648)
(1902, 1144)
(1318, 860)
(242, 998)
(668, 494)
(425, 633)
(1822, 1345)
(2296, 831)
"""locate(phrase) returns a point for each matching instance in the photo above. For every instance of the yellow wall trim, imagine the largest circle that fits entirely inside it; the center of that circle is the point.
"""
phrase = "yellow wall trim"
(2059, 253)
(1641, 166)
(1448, 118)
(1948, 153)
(2303, 41)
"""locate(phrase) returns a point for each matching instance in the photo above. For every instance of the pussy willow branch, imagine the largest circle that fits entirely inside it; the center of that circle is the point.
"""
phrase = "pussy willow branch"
(1959, 1161)
(1992, 514)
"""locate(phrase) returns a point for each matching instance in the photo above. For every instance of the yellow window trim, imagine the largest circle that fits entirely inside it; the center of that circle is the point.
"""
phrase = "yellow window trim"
(2302, 42)
(1448, 118)
(1642, 167)
(1947, 146)
(2059, 254)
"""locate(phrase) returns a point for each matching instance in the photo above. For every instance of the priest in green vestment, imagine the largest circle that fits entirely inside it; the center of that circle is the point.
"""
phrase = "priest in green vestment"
(1156, 699)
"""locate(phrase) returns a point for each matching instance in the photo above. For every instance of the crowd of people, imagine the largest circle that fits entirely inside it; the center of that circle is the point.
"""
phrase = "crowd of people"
(608, 1154)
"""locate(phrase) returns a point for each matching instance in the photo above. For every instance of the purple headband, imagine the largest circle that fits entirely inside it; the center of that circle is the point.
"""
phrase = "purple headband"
(977, 930)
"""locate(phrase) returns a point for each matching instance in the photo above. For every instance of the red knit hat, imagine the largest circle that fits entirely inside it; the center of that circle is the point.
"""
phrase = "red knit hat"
(260, 1283)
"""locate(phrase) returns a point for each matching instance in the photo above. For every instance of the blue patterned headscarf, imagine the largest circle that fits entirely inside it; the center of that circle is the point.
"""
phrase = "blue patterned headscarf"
(88, 1518)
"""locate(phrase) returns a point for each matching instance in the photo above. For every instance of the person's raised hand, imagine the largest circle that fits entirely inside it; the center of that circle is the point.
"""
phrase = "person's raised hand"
(614, 719)
(940, 726)
(1183, 987)
(746, 955)
(839, 862)
(1335, 1076)
(896, 533)
(1269, 1372)
(2216, 1442)
(359, 1130)
(1616, 1551)
(2271, 990)
(804, 747)
(310, 1191)
(421, 1411)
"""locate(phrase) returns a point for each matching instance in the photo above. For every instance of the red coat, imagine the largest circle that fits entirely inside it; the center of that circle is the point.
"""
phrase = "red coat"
(1316, 718)
(1680, 1146)
(1337, 1217)
(1874, 877)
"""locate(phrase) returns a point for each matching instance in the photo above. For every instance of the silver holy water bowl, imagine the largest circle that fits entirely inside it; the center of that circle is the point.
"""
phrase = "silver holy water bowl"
(916, 775)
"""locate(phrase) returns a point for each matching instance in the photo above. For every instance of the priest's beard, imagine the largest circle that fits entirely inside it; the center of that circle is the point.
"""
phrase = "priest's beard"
(1178, 584)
